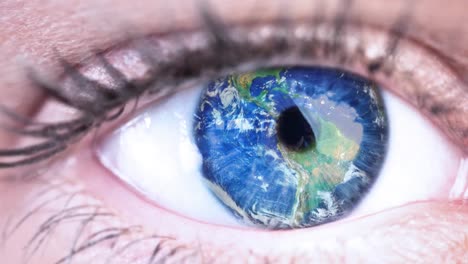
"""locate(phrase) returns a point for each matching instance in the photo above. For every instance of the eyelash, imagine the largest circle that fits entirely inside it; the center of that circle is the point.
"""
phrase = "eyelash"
(98, 103)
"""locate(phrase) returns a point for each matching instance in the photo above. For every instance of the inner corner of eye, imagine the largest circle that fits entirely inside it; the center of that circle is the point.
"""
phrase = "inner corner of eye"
(274, 148)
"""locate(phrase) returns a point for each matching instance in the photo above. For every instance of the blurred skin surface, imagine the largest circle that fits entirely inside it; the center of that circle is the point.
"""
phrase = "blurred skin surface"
(429, 231)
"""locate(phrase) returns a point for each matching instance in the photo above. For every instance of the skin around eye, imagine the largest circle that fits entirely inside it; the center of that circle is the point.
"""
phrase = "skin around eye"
(418, 232)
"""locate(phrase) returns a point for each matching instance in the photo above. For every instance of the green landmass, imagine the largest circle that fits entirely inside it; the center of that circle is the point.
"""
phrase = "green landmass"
(243, 82)
(322, 166)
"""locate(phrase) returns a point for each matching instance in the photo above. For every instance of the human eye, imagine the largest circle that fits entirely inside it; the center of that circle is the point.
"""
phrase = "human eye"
(169, 78)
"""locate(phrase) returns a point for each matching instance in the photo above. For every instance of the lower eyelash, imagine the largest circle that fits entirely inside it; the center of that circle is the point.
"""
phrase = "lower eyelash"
(90, 223)
(96, 233)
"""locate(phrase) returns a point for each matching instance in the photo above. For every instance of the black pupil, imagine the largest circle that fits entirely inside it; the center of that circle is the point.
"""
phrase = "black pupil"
(294, 131)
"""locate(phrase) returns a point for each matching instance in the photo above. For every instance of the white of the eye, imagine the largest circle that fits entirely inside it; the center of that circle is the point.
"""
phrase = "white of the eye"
(420, 161)
(155, 153)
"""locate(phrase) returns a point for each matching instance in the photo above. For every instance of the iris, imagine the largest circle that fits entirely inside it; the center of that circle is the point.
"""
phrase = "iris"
(291, 147)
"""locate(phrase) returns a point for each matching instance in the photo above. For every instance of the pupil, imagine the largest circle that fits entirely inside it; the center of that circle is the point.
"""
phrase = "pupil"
(293, 130)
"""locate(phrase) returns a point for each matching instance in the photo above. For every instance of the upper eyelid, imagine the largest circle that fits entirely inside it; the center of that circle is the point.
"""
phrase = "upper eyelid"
(425, 51)
(106, 114)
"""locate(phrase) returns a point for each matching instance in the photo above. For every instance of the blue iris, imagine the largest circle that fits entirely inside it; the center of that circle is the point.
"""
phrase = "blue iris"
(291, 147)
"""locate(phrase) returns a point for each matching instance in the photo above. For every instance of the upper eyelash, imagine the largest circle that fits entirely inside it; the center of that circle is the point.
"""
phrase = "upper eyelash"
(97, 103)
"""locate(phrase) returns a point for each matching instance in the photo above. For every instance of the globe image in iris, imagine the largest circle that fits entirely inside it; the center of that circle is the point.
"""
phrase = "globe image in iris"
(290, 147)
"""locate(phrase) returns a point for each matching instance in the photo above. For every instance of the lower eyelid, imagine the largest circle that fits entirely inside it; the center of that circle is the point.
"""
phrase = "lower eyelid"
(397, 234)
(419, 232)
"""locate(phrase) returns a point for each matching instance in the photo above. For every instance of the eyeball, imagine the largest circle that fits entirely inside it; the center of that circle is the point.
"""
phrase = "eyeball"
(279, 148)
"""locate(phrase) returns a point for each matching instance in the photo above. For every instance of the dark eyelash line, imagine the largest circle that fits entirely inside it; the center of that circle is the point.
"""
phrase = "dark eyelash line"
(98, 104)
